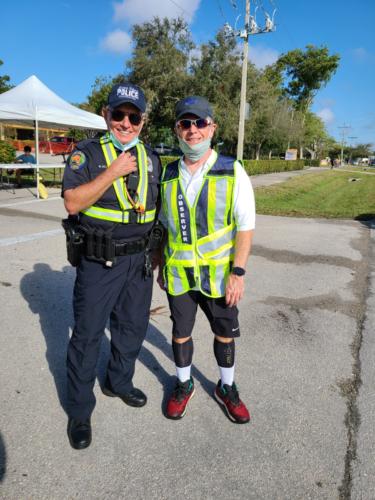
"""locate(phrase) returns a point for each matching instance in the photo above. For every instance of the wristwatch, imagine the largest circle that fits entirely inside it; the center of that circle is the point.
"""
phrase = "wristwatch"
(238, 271)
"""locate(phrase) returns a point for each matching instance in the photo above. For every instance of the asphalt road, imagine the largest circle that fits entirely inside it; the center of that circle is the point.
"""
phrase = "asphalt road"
(304, 367)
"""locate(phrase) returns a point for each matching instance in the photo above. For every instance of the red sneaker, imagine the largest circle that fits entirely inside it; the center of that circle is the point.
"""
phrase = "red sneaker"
(228, 397)
(182, 393)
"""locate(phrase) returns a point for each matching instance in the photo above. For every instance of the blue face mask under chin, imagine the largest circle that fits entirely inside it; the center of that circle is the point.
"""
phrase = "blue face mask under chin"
(123, 147)
(196, 151)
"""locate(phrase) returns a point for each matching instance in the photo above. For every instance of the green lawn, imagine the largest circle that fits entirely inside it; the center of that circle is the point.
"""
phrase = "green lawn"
(327, 194)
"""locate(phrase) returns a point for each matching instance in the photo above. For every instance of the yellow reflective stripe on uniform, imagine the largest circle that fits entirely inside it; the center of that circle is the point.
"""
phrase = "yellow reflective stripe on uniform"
(118, 185)
(143, 172)
(212, 272)
(211, 206)
(118, 215)
(110, 156)
(122, 215)
(218, 251)
(215, 250)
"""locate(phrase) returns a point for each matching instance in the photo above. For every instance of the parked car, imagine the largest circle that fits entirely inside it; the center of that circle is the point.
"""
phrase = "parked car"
(162, 149)
(57, 145)
(371, 162)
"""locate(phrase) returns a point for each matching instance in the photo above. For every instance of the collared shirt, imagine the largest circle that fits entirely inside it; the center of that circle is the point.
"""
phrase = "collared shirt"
(244, 203)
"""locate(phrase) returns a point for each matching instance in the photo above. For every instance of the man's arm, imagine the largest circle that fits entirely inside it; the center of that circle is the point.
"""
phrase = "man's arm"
(235, 286)
(85, 195)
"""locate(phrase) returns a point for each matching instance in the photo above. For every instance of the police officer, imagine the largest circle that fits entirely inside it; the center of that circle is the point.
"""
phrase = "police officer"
(112, 184)
(209, 212)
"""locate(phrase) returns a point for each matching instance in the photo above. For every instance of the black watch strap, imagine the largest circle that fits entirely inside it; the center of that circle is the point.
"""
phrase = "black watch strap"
(238, 271)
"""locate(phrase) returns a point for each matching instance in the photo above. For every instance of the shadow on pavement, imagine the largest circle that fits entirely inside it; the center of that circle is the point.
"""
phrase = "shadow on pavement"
(3, 459)
(49, 294)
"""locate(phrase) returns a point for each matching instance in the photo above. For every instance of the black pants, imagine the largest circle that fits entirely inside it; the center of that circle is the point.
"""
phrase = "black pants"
(223, 319)
(123, 295)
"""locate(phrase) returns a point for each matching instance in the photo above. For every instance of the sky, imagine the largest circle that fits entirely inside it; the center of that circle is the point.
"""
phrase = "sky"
(68, 43)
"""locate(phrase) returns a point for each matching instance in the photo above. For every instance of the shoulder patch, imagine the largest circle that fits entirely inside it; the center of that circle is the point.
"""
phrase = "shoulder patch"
(77, 160)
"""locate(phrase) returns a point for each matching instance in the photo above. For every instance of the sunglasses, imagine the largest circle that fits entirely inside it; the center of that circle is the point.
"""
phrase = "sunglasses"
(185, 124)
(117, 115)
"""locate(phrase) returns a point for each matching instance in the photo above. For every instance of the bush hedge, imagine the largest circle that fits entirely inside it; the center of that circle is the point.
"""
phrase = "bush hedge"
(7, 152)
(254, 167)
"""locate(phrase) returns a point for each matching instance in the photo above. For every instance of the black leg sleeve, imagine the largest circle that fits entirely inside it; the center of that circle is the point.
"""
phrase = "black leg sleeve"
(224, 353)
(183, 353)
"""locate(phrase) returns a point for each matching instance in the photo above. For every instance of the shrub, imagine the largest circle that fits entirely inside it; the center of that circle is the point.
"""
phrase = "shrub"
(256, 167)
(7, 152)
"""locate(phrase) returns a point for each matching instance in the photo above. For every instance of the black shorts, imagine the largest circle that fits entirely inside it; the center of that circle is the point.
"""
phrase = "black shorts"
(223, 319)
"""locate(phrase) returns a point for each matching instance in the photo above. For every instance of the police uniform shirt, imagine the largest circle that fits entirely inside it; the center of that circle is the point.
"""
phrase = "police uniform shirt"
(86, 163)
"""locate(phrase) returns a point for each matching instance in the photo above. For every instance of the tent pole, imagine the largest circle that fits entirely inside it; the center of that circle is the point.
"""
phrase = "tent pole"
(37, 152)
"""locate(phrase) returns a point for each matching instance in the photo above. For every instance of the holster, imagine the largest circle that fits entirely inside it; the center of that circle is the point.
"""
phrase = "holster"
(74, 239)
(155, 237)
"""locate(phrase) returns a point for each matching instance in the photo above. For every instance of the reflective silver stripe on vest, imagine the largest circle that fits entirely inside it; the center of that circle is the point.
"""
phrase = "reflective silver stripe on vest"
(118, 215)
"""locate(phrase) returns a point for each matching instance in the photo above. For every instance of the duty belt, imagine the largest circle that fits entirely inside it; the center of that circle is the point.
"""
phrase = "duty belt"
(130, 247)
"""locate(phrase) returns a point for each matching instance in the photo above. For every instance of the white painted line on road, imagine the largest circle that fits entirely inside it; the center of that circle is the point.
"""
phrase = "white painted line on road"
(29, 201)
(5, 242)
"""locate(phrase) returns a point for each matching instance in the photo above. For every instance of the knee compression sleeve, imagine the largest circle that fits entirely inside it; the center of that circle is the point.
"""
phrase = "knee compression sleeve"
(224, 353)
(183, 353)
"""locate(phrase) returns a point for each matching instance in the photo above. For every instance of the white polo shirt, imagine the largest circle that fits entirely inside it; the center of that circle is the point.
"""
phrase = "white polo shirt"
(244, 202)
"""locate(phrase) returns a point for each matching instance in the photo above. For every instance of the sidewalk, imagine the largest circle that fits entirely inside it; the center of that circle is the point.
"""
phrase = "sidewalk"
(306, 344)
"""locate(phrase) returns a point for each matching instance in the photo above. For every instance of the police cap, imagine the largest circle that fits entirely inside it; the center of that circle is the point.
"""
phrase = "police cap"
(127, 93)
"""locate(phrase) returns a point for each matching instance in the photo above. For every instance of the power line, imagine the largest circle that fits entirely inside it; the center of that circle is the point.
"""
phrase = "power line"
(179, 6)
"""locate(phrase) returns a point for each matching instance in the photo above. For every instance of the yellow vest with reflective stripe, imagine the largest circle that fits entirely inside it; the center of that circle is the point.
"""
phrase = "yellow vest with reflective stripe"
(122, 215)
(200, 247)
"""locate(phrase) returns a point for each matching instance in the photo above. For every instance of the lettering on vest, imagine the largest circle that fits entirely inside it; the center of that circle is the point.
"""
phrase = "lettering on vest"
(182, 216)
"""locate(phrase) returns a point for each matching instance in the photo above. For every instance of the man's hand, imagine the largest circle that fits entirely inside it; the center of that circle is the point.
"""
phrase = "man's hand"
(160, 279)
(234, 290)
(124, 164)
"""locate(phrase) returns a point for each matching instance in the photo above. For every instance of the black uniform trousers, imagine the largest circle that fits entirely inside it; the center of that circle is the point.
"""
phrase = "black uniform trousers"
(123, 295)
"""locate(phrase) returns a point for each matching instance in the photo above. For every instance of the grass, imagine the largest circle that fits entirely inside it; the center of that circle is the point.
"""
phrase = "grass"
(328, 194)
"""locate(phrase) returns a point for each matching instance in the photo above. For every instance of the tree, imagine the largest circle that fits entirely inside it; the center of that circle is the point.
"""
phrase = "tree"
(160, 66)
(4, 79)
(99, 93)
(304, 73)
(301, 74)
(316, 139)
(362, 151)
(216, 74)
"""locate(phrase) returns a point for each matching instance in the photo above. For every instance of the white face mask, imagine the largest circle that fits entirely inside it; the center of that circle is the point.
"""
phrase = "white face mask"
(195, 151)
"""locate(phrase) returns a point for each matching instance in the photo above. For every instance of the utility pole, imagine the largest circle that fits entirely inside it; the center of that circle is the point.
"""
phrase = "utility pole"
(251, 28)
(245, 53)
(344, 129)
(351, 138)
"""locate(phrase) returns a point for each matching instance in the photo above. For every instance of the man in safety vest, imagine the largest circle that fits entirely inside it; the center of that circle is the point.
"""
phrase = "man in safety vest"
(209, 212)
(112, 184)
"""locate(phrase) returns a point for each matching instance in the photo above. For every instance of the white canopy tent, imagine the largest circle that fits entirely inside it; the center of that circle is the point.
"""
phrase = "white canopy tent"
(34, 102)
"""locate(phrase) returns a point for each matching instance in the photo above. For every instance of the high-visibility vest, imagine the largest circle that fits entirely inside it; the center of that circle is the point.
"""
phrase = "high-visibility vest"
(127, 206)
(200, 246)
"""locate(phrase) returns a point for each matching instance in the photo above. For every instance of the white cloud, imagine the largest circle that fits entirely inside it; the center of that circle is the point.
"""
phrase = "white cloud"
(139, 11)
(118, 42)
(262, 56)
(327, 115)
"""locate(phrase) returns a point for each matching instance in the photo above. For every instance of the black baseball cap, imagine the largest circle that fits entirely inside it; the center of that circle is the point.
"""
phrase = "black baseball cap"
(194, 105)
(127, 93)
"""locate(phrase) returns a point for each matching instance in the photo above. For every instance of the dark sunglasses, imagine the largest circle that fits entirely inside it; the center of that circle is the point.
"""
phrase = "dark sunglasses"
(185, 124)
(117, 115)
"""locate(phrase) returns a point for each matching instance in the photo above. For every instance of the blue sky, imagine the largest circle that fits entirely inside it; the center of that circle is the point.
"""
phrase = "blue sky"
(68, 43)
